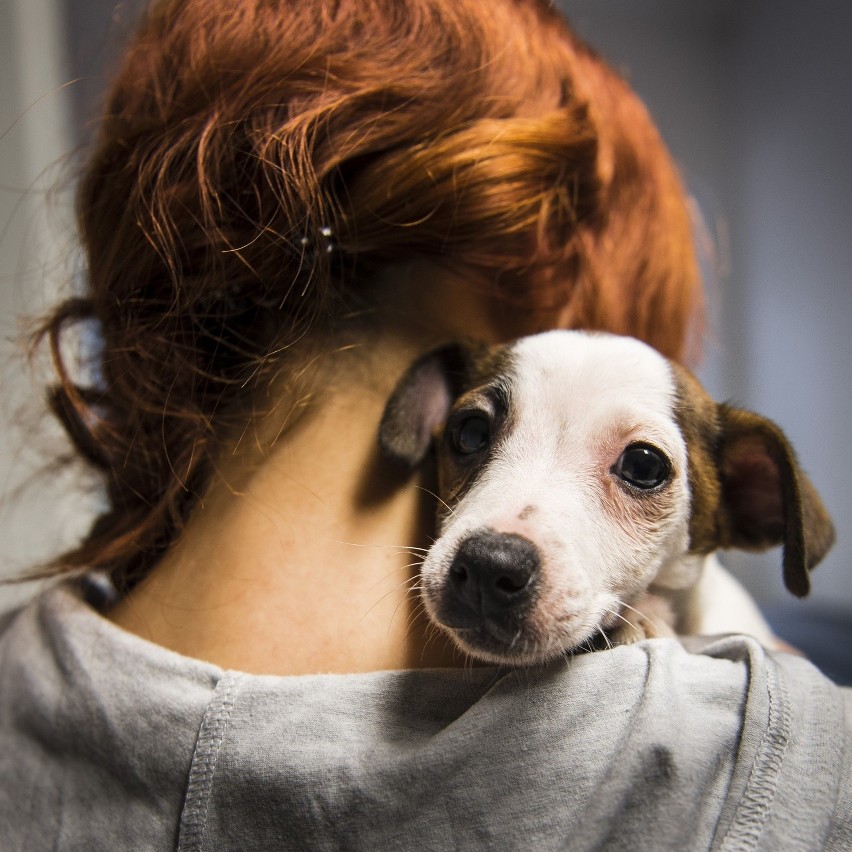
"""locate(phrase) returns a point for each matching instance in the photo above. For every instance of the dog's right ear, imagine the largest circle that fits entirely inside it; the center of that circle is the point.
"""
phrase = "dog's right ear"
(421, 401)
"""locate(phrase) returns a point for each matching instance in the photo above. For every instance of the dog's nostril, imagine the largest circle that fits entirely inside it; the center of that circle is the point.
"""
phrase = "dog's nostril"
(458, 571)
(510, 585)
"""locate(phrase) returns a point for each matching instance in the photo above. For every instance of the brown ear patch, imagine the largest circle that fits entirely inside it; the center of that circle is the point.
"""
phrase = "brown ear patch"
(753, 493)
(697, 418)
(748, 490)
(768, 499)
(418, 407)
(420, 402)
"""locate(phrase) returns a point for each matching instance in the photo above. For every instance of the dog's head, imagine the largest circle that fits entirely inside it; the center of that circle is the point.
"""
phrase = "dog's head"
(576, 470)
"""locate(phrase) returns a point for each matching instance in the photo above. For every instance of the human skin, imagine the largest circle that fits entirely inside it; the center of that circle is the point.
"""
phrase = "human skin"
(298, 558)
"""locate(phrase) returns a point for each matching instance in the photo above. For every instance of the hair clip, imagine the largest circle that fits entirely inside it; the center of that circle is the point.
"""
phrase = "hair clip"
(327, 244)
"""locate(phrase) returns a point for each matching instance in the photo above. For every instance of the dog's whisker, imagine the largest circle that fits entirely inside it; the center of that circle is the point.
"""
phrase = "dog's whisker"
(469, 663)
(400, 583)
(515, 638)
(415, 617)
(438, 497)
(431, 639)
(413, 621)
(642, 615)
(567, 655)
(627, 621)
(397, 548)
(408, 584)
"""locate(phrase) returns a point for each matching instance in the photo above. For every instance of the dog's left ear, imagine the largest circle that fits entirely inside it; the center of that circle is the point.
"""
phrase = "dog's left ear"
(766, 499)
(421, 402)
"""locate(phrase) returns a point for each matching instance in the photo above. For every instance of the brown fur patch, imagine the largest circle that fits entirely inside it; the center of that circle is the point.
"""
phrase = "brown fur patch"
(488, 387)
(747, 488)
(697, 416)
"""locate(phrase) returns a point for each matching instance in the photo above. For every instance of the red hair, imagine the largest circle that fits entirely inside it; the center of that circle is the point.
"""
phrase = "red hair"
(236, 131)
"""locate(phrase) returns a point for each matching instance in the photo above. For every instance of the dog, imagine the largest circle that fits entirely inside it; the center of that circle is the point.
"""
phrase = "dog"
(584, 482)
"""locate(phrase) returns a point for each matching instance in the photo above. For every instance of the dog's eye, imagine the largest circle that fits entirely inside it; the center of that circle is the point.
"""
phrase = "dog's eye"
(471, 434)
(643, 466)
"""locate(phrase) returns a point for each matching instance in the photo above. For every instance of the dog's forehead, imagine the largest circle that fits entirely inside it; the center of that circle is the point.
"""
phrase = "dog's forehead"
(570, 372)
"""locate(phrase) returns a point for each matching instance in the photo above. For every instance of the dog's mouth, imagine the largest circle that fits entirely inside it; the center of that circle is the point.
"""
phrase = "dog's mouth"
(524, 644)
(481, 643)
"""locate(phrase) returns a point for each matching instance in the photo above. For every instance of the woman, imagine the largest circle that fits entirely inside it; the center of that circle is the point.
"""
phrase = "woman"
(287, 203)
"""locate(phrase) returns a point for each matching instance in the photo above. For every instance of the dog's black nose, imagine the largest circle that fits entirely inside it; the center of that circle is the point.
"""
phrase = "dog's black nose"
(494, 572)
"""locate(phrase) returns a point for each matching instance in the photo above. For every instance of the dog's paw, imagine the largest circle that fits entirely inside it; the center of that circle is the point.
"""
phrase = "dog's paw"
(649, 617)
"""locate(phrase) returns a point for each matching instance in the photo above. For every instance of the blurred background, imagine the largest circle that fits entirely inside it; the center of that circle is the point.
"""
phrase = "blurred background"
(754, 102)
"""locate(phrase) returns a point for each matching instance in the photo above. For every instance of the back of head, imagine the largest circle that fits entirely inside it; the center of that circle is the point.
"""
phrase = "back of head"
(260, 161)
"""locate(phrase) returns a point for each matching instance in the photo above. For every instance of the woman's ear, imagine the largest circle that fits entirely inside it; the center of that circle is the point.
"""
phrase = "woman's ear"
(421, 402)
(766, 499)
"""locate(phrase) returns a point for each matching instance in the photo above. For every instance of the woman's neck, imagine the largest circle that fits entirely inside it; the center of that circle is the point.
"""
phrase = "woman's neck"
(303, 558)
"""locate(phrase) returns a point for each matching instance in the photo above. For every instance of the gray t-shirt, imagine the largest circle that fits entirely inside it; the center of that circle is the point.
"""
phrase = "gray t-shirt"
(110, 742)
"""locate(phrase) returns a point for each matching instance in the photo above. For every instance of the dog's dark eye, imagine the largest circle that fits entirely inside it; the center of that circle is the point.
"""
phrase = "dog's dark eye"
(643, 466)
(471, 434)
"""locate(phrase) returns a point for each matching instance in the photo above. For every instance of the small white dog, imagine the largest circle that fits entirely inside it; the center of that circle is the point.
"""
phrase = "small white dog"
(584, 479)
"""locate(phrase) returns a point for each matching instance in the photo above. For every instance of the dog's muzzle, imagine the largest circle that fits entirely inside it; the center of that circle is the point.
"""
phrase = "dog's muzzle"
(492, 580)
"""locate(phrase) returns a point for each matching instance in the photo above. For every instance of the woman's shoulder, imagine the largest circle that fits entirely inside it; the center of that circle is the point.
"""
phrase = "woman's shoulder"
(673, 746)
(97, 730)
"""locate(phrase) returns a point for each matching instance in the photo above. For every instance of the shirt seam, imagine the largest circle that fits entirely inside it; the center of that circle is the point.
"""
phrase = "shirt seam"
(839, 830)
(211, 735)
(752, 814)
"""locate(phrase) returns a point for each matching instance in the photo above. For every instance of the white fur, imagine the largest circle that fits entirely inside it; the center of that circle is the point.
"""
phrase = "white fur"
(722, 605)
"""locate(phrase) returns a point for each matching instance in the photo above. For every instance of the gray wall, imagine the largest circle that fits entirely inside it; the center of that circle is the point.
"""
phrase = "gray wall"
(752, 98)
(36, 256)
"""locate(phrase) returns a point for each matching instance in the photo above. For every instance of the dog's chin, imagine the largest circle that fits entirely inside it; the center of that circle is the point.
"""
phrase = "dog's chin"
(485, 649)
(486, 644)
